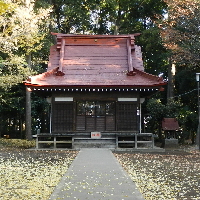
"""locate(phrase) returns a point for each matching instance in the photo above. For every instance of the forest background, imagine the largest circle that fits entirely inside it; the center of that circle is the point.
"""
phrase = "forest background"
(170, 41)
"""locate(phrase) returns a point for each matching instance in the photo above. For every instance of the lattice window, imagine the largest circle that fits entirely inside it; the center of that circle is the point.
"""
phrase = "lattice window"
(62, 117)
(127, 113)
(95, 115)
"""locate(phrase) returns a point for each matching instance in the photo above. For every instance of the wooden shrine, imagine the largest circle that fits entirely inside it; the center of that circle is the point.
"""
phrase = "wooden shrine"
(170, 127)
(95, 85)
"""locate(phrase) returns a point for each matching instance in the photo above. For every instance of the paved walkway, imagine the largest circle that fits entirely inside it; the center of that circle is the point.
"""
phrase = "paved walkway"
(95, 174)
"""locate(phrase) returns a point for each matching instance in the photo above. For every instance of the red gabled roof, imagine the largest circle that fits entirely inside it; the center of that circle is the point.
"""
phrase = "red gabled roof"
(95, 60)
(139, 79)
(170, 124)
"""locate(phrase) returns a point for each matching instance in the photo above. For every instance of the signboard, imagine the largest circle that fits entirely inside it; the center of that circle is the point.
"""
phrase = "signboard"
(95, 135)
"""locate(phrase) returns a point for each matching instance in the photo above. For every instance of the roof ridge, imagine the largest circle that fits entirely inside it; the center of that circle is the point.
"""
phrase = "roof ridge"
(101, 36)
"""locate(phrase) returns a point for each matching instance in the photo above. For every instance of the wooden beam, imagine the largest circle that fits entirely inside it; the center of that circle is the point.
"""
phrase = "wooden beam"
(130, 63)
(62, 53)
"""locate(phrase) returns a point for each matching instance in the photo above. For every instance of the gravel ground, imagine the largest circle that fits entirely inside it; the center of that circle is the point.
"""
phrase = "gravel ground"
(172, 175)
(30, 174)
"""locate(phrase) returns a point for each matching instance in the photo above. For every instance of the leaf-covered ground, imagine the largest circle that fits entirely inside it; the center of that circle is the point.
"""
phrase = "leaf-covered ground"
(169, 176)
(30, 174)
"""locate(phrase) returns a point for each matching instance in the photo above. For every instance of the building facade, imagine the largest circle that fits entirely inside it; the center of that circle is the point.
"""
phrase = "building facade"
(95, 84)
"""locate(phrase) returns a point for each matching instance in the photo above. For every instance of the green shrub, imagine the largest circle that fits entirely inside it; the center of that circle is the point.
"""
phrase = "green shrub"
(17, 143)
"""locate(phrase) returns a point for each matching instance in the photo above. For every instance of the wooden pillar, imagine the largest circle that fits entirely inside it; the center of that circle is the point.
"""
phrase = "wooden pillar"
(117, 145)
(28, 114)
(152, 139)
(54, 142)
(136, 141)
(37, 145)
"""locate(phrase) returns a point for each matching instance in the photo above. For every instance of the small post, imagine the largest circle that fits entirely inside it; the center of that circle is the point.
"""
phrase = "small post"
(152, 137)
(198, 129)
(116, 141)
(54, 142)
(37, 145)
(136, 140)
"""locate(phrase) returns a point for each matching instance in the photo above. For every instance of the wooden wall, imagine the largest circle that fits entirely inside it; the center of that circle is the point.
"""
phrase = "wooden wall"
(94, 112)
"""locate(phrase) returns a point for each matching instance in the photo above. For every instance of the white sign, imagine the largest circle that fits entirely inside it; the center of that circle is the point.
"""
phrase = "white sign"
(127, 99)
(63, 98)
(95, 135)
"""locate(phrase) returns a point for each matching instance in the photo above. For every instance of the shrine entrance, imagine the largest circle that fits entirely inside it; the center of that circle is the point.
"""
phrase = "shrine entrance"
(91, 116)
(95, 116)
(106, 116)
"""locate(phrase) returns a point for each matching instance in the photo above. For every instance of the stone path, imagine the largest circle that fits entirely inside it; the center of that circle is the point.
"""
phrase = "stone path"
(95, 174)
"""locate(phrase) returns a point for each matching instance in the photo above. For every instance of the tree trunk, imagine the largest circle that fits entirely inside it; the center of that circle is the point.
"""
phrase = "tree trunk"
(160, 131)
(20, 127)
(117, 21)
(28, 60)
(197, 138)
(170, 89)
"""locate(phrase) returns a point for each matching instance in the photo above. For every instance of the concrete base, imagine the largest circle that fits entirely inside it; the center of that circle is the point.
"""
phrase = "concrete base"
(171, 143)
(78, 140)
(140, 150)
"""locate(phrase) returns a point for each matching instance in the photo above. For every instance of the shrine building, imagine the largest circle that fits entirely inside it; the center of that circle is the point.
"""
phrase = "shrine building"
(95, 85)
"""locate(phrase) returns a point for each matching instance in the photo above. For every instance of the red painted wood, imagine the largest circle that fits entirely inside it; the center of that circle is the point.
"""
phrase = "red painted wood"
(170, 124)
(90, 60)
(62, 53)
(98, 61)
(96, 41)
(130, 66)
(85, 51)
